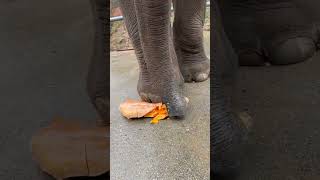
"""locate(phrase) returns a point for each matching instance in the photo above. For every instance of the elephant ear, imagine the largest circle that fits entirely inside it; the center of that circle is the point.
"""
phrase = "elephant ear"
(67, 149)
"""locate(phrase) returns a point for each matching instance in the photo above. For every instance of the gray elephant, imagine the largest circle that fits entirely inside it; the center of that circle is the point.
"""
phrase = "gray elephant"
(167, 56)
(252, 33)
(98, 78)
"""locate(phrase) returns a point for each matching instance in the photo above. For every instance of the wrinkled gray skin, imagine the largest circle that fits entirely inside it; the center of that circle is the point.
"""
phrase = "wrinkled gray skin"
(98, 78)
(252, 32)
(168, 56)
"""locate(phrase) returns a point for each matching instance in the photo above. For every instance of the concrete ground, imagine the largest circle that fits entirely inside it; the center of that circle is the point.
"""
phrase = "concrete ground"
(45, 48)
(172, 149)
(283, 102)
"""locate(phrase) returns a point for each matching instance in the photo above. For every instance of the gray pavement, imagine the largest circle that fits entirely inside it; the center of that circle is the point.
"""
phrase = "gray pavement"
(45, 48)
(172, 149)
(283, 102)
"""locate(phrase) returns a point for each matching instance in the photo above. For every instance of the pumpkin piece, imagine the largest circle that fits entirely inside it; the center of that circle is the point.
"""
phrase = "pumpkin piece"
(153, 113)
(137, 109)
(161, 113)
(68, 149)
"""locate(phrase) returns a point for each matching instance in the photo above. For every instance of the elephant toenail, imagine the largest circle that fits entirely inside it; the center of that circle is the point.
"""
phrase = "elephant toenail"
(201, 76)
(187, 99)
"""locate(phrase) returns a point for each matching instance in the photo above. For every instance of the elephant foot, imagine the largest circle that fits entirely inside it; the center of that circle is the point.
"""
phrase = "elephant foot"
(194, 67)
(291, 51)
(264, 32)
(229, 147)
(165, 89)
(285, 52)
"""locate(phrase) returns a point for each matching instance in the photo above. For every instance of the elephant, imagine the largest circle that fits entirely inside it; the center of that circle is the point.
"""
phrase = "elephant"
(167, 56)
(252, 33)
(98, 78)
(245, 32)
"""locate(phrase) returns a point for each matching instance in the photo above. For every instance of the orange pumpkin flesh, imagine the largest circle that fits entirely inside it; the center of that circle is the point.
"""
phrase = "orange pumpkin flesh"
(138, 109)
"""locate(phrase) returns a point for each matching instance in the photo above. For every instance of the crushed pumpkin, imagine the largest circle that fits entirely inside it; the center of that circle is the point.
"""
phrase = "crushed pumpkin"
(138, 109)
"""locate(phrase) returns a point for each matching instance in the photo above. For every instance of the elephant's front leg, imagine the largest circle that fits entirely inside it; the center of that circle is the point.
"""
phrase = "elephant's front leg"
(148, 23)
(188, 38)
(226, 132)
(97, 82)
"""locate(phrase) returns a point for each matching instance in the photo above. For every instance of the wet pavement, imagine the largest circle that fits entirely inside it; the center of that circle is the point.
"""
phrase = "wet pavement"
(172, 149)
